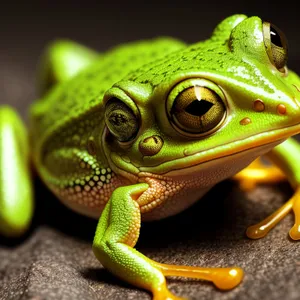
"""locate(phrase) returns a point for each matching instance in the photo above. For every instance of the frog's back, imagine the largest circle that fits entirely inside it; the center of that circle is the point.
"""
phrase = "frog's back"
(82, 94)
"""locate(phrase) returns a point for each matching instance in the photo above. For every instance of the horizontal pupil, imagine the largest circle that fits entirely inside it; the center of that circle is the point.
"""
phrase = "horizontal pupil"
(198, 107)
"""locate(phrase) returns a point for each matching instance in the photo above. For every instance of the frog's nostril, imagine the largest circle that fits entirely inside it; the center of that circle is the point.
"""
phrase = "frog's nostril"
(151, 145)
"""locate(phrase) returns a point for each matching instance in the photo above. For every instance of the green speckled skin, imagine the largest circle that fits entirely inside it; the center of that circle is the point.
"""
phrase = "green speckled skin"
(61, 138)
(147, 128)
(82, 95)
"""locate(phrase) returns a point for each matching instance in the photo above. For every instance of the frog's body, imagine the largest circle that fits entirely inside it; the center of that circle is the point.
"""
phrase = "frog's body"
(63, 139)
(150, 127)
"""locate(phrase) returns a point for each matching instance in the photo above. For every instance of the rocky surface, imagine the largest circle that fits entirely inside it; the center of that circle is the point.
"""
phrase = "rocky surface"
(55, 261)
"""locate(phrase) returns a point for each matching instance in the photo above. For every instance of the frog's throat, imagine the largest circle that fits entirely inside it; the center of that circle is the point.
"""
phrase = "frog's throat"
(192, 159)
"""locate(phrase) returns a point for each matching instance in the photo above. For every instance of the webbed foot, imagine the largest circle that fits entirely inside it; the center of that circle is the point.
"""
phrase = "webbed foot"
(261, 229)
(222, 278)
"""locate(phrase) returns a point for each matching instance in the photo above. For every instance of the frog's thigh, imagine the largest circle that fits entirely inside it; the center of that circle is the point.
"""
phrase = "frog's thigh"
(284, 156)
(62, 60)
(257, 173)
(116, 235)
(16, 203)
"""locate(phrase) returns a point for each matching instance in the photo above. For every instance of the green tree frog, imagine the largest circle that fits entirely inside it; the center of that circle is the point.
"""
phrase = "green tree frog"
(144, 130)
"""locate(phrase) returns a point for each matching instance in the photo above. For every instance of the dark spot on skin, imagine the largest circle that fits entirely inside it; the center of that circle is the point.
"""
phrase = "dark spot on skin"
(258, 105)
(281, 109)
(245, 121)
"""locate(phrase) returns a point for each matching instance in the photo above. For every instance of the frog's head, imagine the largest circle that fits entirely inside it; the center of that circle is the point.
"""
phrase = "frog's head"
(216, 104)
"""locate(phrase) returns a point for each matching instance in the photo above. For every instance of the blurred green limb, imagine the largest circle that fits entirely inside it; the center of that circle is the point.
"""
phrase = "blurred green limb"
(16, 196)
(62, 59)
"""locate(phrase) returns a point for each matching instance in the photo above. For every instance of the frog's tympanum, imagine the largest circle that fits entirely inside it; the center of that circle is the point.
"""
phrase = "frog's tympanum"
(144, 130)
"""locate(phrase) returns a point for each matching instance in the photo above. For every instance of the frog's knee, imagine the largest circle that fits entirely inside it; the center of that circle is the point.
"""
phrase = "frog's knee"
(102, 249)
(132, 192)
(7, 114)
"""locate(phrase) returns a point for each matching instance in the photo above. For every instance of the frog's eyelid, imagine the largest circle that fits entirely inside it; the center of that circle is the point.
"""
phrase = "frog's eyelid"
(128, 131)
(122, 95)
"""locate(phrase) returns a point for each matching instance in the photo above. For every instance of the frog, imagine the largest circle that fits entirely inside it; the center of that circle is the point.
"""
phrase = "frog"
(143, 131)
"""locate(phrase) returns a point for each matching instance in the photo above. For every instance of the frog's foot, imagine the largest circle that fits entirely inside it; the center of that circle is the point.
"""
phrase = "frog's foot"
(117, 234)
(261, 229)
(258, 173)
(222, 278)
(16, 203)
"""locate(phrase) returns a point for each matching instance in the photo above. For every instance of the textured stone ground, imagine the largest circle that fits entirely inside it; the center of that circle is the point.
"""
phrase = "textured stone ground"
(55, 260)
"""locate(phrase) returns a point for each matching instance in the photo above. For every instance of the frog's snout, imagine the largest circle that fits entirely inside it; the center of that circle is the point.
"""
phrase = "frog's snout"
(151, 145)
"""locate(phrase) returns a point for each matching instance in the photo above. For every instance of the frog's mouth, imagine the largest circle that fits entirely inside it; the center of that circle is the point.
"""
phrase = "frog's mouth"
(262, 142)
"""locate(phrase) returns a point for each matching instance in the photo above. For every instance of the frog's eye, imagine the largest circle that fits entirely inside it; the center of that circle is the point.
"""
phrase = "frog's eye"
(276, 45)
(121, 120)
(197, 110)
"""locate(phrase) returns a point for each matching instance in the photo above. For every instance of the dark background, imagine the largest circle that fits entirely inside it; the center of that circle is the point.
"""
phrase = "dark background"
(54, 260)
(27, 26)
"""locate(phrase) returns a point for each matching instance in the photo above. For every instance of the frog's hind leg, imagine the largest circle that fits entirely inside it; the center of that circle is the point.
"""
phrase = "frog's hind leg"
(258, 173)
(116, 235)
(16, 203)
(285, 157)
(62, 60)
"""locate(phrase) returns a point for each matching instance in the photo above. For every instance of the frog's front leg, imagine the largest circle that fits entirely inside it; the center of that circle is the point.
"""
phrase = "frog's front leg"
(116, 235)
(284, 156)
(16, 203)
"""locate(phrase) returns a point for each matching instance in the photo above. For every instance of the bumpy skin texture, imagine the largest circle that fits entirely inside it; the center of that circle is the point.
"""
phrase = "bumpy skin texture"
(147, 128)
(67, 127)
